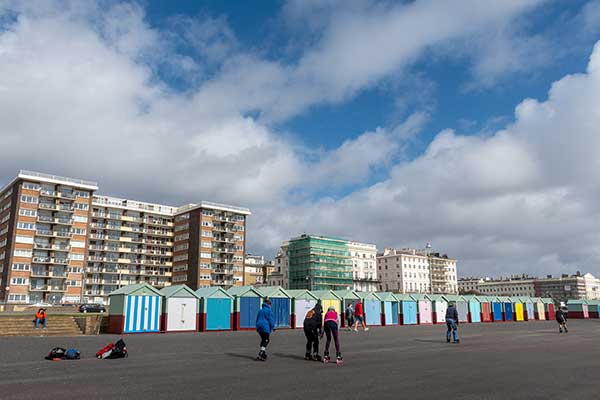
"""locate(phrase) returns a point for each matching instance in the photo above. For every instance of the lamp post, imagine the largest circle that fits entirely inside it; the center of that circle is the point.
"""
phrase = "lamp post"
(308, 282)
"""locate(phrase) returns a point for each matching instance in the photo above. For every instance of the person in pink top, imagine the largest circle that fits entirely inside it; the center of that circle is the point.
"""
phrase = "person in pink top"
(331, 329)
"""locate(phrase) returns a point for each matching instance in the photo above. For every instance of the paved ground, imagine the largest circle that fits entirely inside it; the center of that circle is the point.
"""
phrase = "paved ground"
(494, 361)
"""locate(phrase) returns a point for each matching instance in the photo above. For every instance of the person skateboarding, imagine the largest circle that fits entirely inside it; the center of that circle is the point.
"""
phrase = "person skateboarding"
(561, 318)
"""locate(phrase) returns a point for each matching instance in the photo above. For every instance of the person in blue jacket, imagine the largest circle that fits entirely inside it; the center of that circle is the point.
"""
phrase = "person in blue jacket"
(265, 324)
(452, 323)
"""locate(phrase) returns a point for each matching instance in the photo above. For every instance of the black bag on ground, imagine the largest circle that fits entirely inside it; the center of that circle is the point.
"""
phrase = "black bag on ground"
(119, 351)
(57, 353)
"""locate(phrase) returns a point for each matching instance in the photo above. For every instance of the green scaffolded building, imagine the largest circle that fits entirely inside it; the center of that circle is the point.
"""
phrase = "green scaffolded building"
(319, 263)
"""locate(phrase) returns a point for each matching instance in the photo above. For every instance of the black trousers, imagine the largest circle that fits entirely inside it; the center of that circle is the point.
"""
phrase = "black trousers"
(264, 339)
(312, 340)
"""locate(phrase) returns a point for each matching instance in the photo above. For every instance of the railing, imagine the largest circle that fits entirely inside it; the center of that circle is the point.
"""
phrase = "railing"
(43, 232)
(47, 206)
(58, 178)
(43, 218)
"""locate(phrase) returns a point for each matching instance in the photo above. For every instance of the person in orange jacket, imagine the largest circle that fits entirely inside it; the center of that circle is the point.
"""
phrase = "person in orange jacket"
(40, 317)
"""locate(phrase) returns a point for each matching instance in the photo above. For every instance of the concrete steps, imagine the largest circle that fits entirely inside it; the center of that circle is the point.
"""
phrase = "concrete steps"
(22, 325)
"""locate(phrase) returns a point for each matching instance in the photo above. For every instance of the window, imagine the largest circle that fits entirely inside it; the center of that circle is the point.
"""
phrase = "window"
(205, 255)
(19, 298)
(77, 244)
(206, 244)
(78, 231)
(207, 233)
(21, 267)
(75, 270)
(23, 239)
(181, 247)
(29, 199)
(81, 206)
(19, 281)
(204, 265)
(182, 227)
(179, 268)
(180, 278)
(207, 223)
(76, 257)
(73, 283)
(26, 212)
(182, 217)
(79, 218)
(180, 257)
(207, 213)
(81, 193)
(5, 218)
(26, 225)
(31, 186)
(23, 253)
(179, 238)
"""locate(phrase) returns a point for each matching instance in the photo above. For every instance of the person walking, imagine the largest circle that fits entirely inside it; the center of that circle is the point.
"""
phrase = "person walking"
(40, 318)
(313, 328)
(265, 324)
(359, 316)
(561, 318)
(331, 329)
(452, 323)
(349, 314)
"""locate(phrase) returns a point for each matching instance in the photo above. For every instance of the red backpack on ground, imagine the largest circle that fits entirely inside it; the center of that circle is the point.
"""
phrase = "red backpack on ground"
(106, 351)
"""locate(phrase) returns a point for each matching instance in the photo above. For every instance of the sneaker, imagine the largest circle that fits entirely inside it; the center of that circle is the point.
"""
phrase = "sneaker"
(457, 341)
(366, 329)
(448, 340)
(317, 357)
(355, 330)
(326, 358)
(560, 331)
(307, 357)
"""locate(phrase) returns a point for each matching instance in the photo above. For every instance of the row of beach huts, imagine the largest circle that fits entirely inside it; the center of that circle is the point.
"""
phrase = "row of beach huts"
(141, 308)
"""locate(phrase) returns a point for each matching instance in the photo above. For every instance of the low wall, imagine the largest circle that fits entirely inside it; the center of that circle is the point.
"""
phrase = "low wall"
(92, 324)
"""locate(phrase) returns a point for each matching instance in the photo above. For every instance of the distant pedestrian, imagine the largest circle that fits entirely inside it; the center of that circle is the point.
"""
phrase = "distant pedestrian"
(561, 318)
(331, 329)
(452, 323)
(265, 324)
(349, 314)
(40, 318)
(313, 328)
(359, 316)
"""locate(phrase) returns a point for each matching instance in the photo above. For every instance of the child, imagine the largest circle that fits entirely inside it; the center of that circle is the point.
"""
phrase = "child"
(331, 329)
(265, 324)
(313, 328)
(349, 316)
(561, 318)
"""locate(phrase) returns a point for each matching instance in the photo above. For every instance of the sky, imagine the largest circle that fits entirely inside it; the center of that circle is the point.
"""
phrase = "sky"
(471, 125)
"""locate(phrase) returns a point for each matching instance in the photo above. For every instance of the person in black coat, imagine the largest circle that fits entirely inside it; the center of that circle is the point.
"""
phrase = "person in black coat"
(452, 323)
(313, 327)
(561, 318)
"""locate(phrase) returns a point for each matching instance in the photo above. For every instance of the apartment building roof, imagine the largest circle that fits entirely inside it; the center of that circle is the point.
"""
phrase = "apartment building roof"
(49, 178)
(213, 206)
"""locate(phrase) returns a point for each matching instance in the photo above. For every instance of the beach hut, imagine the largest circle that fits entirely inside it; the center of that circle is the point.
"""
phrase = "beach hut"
(593, 306)
(302, 302)
(348, 297)
(474, 304)
(372, 307)
(497, 309)
(424, 309)
(486, 308)
(327, 299)
(538, 308)
(281, 305)
(247, 302)
(408, 309)
(507, 308)
(549, 308)
(135, 309)
(462, 306)
(390, 308)
(439, 306)
(215, 310)
(528, 308)
(578, 309)
(180, 309)
(518, 309)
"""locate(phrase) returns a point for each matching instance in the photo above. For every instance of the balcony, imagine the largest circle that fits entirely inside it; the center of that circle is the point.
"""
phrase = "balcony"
(48, 193)
(62, 234)
(47, 206)
(223, 250)
(66, 209)
(48, 288)
(221, 218)
(43, 232)
(50, 260)
(222, 229)
(223, 239)
(63, 221)
(100, 215)
(45, 218)
(42, 246)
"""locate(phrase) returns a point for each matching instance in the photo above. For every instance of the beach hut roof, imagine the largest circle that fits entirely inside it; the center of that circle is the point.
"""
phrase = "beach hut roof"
(272, 291)
(346, 294)
(435, 297)
(177, 291)
(325, 295)
(454, 297)
(242, 290)
(505, 299)
(524, 299)
(404, 297)
(212, 291)
(536, 299)
(367, 295)
(301, 294)
(577, 301)
(471, 297)
(387, 296)
(547, 300)
(139, 289)
(420, 296)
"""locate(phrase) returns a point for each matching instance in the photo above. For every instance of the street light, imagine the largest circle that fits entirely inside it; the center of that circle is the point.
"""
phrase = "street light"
(308, 282)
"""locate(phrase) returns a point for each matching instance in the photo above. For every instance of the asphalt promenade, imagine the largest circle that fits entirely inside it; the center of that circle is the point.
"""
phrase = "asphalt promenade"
(526, 360)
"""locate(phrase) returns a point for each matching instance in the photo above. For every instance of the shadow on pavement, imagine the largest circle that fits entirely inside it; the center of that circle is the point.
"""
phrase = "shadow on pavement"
(244, 356)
